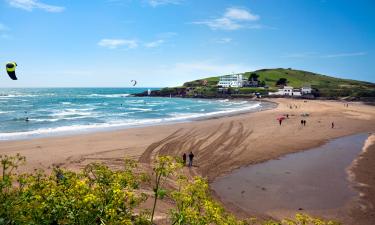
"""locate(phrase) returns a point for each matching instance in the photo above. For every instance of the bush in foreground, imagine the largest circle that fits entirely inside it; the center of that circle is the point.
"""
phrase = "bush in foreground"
(99, 195)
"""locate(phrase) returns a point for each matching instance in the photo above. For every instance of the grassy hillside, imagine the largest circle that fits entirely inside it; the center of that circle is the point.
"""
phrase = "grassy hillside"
(326, 86)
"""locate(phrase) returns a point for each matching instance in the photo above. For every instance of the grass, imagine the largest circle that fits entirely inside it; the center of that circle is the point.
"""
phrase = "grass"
(326, 86)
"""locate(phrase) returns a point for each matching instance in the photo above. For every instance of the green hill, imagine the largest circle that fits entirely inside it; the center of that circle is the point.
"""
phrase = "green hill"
(325, 86)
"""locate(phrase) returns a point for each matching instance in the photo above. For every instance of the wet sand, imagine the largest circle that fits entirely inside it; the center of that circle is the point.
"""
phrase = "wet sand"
(220, 145)
(313, 181)
(363, 174)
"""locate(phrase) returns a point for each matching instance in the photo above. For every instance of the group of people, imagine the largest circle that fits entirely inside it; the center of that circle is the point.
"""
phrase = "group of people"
(303, 122)
(191, 157)
(293, 106)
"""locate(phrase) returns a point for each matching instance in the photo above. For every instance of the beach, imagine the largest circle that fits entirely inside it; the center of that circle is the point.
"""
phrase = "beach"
(220, 144)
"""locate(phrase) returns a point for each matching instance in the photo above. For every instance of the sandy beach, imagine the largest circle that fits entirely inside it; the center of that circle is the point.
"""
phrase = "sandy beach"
(220, 145)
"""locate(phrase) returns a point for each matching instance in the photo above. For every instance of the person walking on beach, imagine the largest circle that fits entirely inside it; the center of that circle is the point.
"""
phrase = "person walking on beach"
(184, 158)
(333, 125)
(301, 122)
(191, 156)
(280, 121)
(304, 122)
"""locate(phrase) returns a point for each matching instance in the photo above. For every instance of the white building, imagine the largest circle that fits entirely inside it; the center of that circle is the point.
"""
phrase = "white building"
(306, 90)
(286, 90)
(233, 80)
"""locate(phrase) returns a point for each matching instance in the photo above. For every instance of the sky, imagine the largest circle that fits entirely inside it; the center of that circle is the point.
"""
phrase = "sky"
(159, 43)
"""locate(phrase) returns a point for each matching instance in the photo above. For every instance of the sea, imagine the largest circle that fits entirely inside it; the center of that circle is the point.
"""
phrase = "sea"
(39, 112)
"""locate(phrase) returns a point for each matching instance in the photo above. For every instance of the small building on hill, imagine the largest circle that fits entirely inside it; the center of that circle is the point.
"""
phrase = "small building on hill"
(306, 90)
(233, 80)
(286, 91)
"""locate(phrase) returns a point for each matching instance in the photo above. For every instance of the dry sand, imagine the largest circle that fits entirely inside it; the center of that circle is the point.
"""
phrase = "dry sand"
(220, 145)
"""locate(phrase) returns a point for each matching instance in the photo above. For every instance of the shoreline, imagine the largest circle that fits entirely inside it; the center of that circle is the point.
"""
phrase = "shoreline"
(14, 145)
(362, 175)
(220, 144)
(105, 127)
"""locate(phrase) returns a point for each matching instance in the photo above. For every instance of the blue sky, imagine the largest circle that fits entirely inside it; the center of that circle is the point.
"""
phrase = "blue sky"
(79, 43)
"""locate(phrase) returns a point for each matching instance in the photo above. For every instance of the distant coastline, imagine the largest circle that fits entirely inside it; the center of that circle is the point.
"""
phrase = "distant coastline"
(267, 82)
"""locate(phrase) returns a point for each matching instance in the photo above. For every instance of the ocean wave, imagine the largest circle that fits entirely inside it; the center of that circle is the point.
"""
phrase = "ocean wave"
(135, 101)
(72, 112)
(58, 119)
(239, 102)
(17, 96)
(74, 128)
(5, 112)
(140, 109)
(108, 118)
(108, 95)
(181, 116)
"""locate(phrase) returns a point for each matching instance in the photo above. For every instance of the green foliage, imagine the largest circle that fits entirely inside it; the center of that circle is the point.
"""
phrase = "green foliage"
(250, 90)
(172, 91)
(211, 81)
(164, 166)
(327, 86)
(253, 77)
(206, 91)
(99, 195)
(282, 81)
(195, 206)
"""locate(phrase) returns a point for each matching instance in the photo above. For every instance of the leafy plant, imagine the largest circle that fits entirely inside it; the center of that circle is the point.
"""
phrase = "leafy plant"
(163, 168)
(100, 195)
(96, 195)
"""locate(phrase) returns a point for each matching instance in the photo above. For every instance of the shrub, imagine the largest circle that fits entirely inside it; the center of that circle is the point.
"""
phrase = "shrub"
(99, 195)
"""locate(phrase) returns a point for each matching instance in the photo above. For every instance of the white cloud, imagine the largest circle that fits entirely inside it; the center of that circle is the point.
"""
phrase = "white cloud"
(115, 43)
(223, 40)
(305, 55)
(155, 3)
(221, 24)
(154, 44)
(347, 54)
(233, 19)
(240, 14)
(29, 5)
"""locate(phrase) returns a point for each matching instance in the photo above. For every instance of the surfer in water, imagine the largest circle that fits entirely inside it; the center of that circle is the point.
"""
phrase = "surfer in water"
(26, 117)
